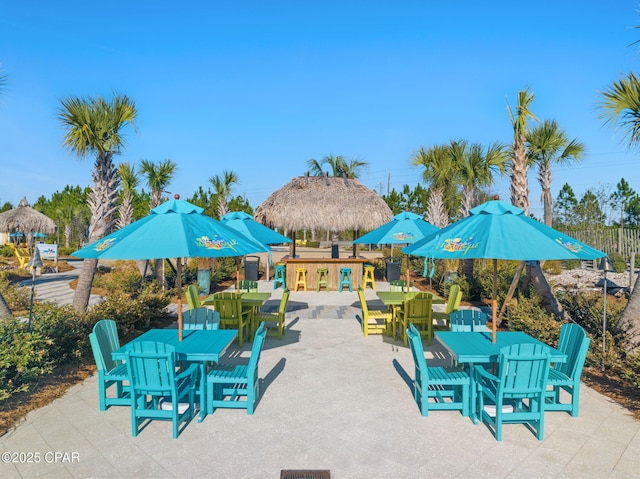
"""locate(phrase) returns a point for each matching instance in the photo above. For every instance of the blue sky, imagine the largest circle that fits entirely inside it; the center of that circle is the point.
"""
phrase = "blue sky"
(261, 87)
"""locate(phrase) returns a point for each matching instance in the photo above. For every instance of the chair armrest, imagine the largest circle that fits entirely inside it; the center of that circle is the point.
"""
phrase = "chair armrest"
(480, 371)
(192, 370)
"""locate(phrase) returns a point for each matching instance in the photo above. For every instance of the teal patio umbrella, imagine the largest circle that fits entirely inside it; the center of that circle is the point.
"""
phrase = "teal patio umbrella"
(405, 227)
(498, 230)
(174, 229)
(245, 224)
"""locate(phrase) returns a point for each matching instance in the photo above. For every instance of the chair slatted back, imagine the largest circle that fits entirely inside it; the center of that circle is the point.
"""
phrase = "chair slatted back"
(151, 367)
(193, 298)
(363, 304)
(467, 320)
(417, 351)
(228, 305)
(573, 342)
(454, 299)
(523, 370)
(419, 307)
(104, 340)
(247, 285)
(284, 302)
(256, 350)
(200, 318)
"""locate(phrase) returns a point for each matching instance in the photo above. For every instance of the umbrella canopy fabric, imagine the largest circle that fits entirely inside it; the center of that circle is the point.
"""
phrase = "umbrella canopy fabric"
(405, 227)
(25, 219)
(175, 229)
(245, 224)
(498, 230)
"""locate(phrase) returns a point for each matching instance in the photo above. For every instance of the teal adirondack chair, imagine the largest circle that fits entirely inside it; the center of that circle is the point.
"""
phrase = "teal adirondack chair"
(516, 395)
(275, 321)
(200, 318)
(104, 340)
(157, 391)
(193, 297)
(448, 389)
(237, 386)
(468, 320)
(566, 376)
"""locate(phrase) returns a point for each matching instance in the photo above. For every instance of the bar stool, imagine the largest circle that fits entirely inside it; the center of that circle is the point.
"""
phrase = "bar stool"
(301, 278)
(279, 276)
(323, 279)
(367, 277)
(345, 279)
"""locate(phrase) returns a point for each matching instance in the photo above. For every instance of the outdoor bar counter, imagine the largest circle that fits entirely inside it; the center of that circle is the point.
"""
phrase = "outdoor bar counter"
(333, 265)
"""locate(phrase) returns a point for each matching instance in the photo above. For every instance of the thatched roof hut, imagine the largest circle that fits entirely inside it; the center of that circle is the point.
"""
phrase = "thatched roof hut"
(26, 220)
(323, 203)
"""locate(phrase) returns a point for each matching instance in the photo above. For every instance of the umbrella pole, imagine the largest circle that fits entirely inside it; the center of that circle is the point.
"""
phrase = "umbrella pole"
(179, 288)
(494, 301)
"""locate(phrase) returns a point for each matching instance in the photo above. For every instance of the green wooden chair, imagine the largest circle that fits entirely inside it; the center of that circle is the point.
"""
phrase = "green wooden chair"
(104, 340)
(193, 297)
(453, 303)
(157, 392)
(448, 390)
(416, 311)
(468, 320)
(516, 395)
(574, 342)
(373, 321)
(232, 315)
(200, 318)
(237, 386)
(247, 286)
(399, 285)
(274, 321)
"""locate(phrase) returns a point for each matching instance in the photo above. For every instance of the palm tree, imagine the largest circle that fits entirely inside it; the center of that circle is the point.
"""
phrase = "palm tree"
(621, 108)
(338, 165)
(222, 186)
(519, 165)
(128, 182)
(438, 173)
(548, 145)
(95, 126)
(158, 176)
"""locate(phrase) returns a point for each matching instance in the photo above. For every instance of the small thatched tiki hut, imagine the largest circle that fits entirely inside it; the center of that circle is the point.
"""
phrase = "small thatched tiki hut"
(27, 221)
(323, 203)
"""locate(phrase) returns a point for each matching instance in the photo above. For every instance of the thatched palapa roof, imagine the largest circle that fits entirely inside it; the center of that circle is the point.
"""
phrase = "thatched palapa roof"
(323, 203)
(26, 220)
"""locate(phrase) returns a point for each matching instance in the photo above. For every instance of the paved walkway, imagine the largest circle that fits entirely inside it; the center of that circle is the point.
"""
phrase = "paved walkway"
(332, 399)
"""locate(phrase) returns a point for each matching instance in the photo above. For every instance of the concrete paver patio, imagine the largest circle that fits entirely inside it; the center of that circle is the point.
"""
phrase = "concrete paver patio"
(332, 399)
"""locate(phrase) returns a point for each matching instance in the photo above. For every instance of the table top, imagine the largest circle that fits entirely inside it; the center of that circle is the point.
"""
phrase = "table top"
(394, 298)
(247, 297)
(199, 345)
(468, 347)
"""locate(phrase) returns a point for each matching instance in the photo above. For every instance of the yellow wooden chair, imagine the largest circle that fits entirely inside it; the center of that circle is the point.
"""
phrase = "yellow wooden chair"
(373, 322)
(453, 304)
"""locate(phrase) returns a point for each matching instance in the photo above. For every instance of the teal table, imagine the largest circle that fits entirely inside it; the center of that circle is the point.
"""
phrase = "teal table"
(478, 348)
(200, 346)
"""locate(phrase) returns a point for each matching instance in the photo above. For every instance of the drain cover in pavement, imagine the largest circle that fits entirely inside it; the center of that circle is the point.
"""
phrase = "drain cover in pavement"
(304, 474)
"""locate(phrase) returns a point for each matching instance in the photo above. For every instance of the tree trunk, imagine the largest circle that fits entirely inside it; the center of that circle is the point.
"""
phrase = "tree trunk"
(85, 281)
(630, 320)
(5, 312)
(549, 300)
(467, 268)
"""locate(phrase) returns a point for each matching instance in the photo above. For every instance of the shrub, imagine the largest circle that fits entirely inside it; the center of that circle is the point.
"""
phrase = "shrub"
(123, 277)
(529, 316)
(572, 263)
(619, 264)
(552, 267)
(67, 330)
(17, 297)
(23, 357)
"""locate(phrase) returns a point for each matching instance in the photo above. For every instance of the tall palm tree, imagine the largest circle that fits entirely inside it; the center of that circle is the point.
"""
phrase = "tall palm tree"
(438, 173)
(223, 186)
(548, 145)
(620, 107)
(519, 164)
(158, 176)
(128, 183)
(96, 126)
(5, 312)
